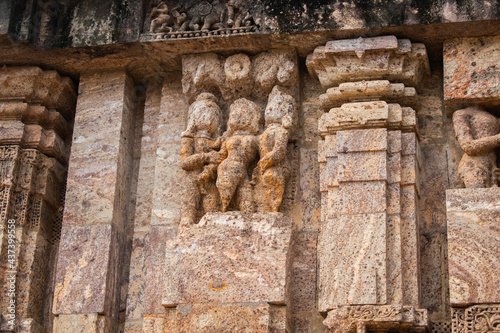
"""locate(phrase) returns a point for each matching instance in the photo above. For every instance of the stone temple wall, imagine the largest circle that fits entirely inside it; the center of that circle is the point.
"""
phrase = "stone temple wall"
(249, 166)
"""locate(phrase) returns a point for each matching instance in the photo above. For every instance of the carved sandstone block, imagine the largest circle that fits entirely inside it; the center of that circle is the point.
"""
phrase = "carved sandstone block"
(255, 317)
(82, 323)
(228, 258)
(473, 236)
(471, 70)
(352, 261)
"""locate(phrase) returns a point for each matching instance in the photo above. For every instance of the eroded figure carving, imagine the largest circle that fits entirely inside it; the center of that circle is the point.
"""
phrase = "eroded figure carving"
(161, 21)
(273, 168)
(237, 13)
(200, 158)
(239, 149)
(478, 133)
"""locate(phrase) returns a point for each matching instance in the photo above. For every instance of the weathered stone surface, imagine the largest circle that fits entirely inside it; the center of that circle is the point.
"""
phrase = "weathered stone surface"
(256, 317)
(473, 238)
(304, 274)
(221, 267)
(352, 253)
(83, 276)
(82, 323)
(97, 158)
(471, 71)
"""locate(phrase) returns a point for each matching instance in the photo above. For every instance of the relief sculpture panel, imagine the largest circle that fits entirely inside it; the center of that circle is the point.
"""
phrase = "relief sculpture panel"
(199, 18)
(234, 149)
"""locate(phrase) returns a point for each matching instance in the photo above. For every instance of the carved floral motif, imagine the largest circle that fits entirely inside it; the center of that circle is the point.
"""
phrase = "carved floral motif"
(476, 319)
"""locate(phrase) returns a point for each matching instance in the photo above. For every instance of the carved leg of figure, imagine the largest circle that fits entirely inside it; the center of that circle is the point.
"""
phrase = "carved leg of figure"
(275, 181)
(244, 197)
(477, 171)
(211, 199)
(191, 200)
(230, 176)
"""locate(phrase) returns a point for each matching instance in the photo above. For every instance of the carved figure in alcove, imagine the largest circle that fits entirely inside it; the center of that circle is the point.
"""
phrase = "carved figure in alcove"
(239, 149)
(200, 158)
(273, 168)
(478, 133)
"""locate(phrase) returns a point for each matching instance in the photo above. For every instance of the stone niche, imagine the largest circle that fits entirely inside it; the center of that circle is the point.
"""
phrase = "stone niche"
(228, 266)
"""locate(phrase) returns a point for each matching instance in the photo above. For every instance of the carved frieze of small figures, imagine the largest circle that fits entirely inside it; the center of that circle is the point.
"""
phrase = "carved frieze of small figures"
(186, 17)
(243, 169)
(478, 133)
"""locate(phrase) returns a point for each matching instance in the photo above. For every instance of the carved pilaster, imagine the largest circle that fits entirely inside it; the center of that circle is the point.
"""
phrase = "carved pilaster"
(369, 175)
(36, 108)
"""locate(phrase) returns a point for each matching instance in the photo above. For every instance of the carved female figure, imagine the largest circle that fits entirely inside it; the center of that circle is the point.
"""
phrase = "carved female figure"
(239, 149)
(273, 169)
(200, 159)
(478, 133)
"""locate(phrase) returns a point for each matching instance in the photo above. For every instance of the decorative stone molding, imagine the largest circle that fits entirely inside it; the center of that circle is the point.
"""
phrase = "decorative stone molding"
(359, 319)
(476, 319)
(377, 58)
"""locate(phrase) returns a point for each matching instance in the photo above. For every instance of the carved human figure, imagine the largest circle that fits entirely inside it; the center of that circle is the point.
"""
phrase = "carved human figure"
(273, 168)
(161, 21)
(200, 158)
(239, 149)
(478, 133)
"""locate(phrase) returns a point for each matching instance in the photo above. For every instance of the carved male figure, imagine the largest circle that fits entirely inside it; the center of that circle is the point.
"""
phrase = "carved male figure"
(200, 159)
(273, 169)
(239, 149)
(478, 133)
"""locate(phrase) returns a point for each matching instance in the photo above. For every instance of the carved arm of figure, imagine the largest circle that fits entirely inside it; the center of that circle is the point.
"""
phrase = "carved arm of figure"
(193, 161)
(464, 134)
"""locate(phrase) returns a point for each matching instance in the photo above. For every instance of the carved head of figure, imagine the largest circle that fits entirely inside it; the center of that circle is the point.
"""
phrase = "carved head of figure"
(204, 117)
(244, 117)
(281, 108)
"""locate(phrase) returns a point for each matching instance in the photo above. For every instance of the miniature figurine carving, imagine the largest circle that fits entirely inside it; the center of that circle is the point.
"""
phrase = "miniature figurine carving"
(239, 148)
(273, 168)
(478, 133)
(237, 13)
(200, 158)
(161, 21)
